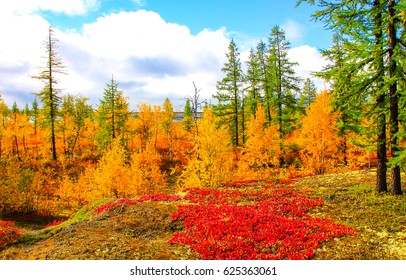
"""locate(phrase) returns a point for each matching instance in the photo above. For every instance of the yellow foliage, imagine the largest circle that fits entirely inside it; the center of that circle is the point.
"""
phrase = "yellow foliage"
(111, 175)
(213, 161)
(319, 139)
(262, 149)
(146, 176)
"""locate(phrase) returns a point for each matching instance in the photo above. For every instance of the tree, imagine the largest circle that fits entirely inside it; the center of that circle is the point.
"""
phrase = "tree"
(3, 118)
(215, 163)
(14, 114)
(144, 125)
(285, 80)
(35, 120)
(146, 176)
(373, 63)
(307, 95)
(229, 94)
(319, 135)
(74, 111)
(252, 79)
(50, 94)
(187, 116)
(167, 123)
(266, 78)
(113, 113)
(262, 149)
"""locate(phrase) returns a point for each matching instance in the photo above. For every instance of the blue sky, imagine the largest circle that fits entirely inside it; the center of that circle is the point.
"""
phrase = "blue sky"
(154, 48)
(247, 18)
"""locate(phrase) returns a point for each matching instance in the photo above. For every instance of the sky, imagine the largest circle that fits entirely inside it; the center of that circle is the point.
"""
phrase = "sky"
(153, 48)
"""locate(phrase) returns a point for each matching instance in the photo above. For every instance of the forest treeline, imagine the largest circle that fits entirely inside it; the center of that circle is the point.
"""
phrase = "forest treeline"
(60, 153)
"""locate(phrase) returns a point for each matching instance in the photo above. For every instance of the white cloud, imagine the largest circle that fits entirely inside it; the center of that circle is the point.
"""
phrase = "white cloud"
(150, 58)
(294, 31)
(310, 61)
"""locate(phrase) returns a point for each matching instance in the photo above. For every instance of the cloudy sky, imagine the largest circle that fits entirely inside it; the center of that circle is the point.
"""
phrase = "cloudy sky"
(154, 48)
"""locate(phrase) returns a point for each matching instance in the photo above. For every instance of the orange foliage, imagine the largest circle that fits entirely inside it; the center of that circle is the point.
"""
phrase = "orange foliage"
(145, 174)
(319, 139)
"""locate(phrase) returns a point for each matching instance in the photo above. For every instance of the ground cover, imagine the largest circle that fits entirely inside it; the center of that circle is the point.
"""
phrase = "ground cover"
(336, 216)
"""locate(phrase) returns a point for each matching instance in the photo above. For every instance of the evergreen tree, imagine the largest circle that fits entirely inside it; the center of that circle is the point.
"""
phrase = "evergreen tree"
(50, 94)
(113, 113)
(229, 93)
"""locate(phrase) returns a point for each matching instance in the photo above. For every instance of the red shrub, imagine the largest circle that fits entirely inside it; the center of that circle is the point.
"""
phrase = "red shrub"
(273, 226)
(8, 233)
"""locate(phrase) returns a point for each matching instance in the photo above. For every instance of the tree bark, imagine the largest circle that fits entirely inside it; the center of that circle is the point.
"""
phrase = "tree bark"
(393, 99)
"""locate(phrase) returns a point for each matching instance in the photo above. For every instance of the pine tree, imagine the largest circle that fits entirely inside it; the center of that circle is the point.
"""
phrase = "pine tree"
(229, 93)
(50, 94)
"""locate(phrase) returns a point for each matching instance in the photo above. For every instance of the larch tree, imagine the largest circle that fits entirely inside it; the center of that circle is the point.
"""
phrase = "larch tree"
(167, 123)
(307, 95)
(284, 81)
(262, 149)
(113, 113)
(50, 94)
(3, 119)
(35, 122)
(215, 162)
(252, 81)
(187, 121)
(74, 111)
(374, 52)
(229, 93)
(319, 135)
(266, 78)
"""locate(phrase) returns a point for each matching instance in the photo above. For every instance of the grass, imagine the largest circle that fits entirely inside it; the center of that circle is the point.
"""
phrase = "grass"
(142, 231)
(350, 199)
